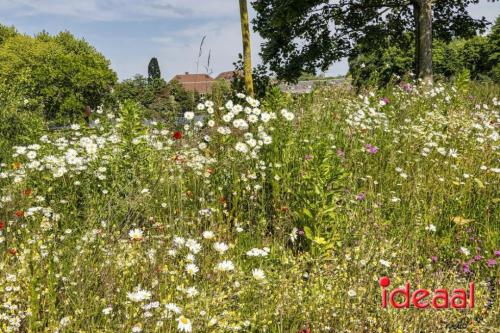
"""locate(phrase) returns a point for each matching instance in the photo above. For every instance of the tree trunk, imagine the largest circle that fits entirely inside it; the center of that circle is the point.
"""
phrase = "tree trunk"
(423, 39)
(247, 51)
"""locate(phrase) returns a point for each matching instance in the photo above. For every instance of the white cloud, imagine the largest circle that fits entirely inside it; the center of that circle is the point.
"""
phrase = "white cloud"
(113, 10)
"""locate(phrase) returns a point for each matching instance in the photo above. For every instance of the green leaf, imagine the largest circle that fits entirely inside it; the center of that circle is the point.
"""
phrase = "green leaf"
(307, 213)
(308, 233)
(320, 240)
(479, 183)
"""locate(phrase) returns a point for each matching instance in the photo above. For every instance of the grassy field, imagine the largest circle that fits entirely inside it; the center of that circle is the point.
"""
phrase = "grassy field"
(279, 216)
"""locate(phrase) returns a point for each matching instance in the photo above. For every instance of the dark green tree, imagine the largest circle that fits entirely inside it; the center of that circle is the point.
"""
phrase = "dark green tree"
(154, 72)
(306, 35)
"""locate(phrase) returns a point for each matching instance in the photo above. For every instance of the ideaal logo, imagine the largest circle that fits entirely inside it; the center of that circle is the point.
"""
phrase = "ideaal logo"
(423, 298)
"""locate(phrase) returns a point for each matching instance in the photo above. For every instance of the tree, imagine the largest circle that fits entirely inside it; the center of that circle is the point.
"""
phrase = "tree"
(154, 69)
(59, 74)
(247, 51)
(304, 35)
(6, 32)
(260, 78)
(494, 51)
(381, 64)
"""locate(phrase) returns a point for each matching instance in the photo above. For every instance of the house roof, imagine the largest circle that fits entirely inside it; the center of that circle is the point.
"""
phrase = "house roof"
(229, 75)
(201, 83)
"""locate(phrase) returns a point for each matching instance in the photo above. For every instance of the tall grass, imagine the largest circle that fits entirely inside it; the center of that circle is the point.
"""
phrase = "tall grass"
(125, 228)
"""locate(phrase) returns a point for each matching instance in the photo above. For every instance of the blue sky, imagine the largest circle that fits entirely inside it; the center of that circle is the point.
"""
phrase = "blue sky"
(130, 32)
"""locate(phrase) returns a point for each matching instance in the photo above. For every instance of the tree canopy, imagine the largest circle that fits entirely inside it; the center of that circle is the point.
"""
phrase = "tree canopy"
(380, 64)
(306, 35)
(59, 74)
(154, 72)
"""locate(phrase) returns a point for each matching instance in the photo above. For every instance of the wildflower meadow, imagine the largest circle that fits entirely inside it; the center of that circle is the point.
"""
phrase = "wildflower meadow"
(278, 215)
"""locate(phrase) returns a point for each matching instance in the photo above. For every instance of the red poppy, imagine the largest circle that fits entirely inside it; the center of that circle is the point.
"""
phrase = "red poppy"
(19, 213)
(2, 224)
(177, 135)
(210, 171)
(222, 200)
(12, 251)
(27, 192)
(305, 330)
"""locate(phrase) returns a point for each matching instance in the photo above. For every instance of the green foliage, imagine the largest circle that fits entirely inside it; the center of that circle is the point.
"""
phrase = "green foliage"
(261, 79)
(450, 59)
(19, 124)
(494, 51)
(304, 35)
(59, 74)
(6, 32)
(140, 89)
(131, 124)
(154, 72)
(220, 91)
(388, 62)
(187, 100)
(159, 100)
(377, 66)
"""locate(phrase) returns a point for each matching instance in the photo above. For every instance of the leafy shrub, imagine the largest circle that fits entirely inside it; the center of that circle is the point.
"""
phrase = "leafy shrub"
(20, 124)
(58, 74)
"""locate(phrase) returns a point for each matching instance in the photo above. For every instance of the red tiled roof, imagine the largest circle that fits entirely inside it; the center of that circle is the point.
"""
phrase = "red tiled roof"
(229, 75)
(201, 83)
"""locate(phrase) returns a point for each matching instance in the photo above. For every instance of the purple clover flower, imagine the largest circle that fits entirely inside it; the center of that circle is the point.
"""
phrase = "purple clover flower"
(371, 149)
(407, 87)
(361, 196)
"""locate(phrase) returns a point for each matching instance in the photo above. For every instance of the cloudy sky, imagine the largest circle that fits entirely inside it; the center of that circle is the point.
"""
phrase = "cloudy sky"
(130, 32)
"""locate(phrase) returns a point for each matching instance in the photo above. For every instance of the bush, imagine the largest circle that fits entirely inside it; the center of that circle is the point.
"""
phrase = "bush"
(59, 74)
(19, 124)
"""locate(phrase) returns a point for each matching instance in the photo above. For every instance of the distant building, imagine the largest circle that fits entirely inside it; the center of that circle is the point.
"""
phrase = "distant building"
(200, 83)
(229, 75)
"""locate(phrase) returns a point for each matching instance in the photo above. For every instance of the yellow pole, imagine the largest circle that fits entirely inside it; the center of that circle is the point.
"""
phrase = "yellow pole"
(247, 50)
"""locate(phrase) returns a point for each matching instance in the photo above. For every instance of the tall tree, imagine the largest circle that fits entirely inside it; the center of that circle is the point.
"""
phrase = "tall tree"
(247, 51)
(306, 35)
(154, 69)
